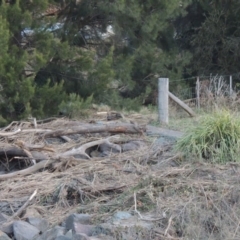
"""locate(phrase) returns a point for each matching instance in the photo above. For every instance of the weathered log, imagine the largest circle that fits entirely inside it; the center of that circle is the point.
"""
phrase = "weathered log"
(7, 134)
(27, 171)
(16, 151)
(82, 149)
(97, 128)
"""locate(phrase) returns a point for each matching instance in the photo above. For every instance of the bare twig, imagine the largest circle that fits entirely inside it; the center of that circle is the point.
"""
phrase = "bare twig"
(82, 150)
(20, 210)
(140, 215)
(168, 226)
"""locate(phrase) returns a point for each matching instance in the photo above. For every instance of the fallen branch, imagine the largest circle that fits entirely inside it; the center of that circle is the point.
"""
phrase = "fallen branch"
(139, 214)
(27, 171)
(168, 226)
(31, 147)
(10, 150)
(21, 209)
(97, 128)
(7, 134)
(82, 150)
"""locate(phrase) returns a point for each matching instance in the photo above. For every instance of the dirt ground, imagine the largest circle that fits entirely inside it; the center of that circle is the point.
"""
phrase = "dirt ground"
(182, 198)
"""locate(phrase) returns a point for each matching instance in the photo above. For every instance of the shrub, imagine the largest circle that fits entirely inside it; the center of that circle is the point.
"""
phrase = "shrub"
(215, 138)
(76, 106)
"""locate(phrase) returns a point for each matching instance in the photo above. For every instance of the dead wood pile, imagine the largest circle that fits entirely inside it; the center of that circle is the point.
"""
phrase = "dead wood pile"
(57, 142)
(183, 199)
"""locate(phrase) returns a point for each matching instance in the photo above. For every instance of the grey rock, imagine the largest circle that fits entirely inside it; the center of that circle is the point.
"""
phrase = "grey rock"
(24, 231)
(133, 145)
(4, 236)
(63, 238)
(39, 223)
(79, 228)
(69, 234)
(76, 218)
(52, 233)
(131, 228)
(7, 227)
(80, 236)
(3, 218)
(106, 148)
(121, 215)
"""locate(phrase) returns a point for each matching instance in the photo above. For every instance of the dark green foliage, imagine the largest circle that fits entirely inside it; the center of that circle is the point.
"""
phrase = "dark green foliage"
(23, 54)
(44, 59)
(143, 42)
(47, 98)
(210, 32)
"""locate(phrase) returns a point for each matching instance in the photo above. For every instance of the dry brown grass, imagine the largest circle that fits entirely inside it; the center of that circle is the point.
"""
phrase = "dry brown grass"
(189, 201)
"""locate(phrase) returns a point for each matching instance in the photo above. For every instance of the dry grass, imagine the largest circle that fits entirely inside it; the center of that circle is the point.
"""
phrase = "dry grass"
(190, 201)
(202, 199)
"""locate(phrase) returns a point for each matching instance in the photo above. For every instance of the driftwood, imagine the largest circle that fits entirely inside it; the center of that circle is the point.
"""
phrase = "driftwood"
(82, 150)
(45, 163)
(97, 128)
(27, 171)
(7, 134)
(86, 128)
(42, 155)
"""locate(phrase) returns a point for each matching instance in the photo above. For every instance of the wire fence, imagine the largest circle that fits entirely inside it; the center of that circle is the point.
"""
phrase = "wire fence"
(208, 91)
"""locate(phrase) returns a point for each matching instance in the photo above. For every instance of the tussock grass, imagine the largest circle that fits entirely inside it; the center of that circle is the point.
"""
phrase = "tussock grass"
(215, 138)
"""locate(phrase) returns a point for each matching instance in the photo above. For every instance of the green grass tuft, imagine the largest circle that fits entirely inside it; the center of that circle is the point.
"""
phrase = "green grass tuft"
(215, 138)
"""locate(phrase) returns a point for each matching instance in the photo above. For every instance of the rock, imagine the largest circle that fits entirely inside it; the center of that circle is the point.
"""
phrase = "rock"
(24, 231)
(80, 236)
(69, 234)
(62, 238)
(133, 145)
(52, 233)
(77, 218)
(131, 228)
(3, 218)
(4, 236)
(79, 228)
(121, 215)
(40, 223)
(7, 227)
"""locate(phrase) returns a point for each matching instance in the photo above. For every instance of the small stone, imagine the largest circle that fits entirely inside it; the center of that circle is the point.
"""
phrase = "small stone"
(4, 236)
(3, 218)
(79, 228)
(61, 238)
(69, 234)
(121, 215)
(79, 218)
(24, 231)
(52, 233)
(80, 236)
(39, 223)
(6, 227)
